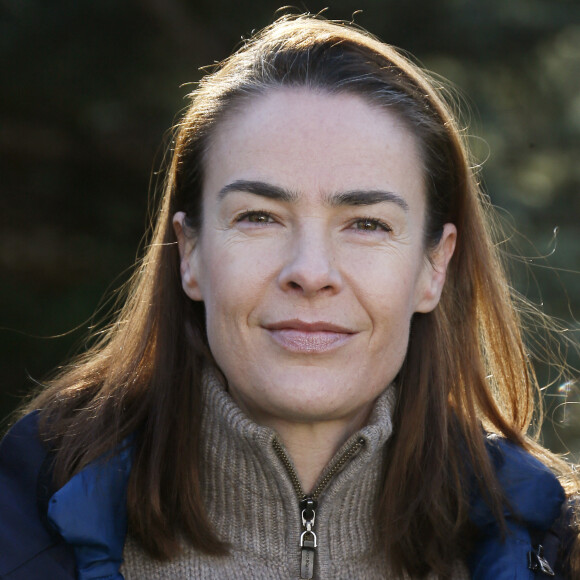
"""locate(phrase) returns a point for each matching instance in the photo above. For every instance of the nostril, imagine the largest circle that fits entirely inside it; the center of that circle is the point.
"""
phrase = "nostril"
(294, 285)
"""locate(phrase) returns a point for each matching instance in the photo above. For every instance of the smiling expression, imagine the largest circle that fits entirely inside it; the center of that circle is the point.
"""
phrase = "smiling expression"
(311, 259)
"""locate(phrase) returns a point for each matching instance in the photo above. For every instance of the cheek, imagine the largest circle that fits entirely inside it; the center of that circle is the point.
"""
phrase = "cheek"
(233, 278)
(386, 289)
(387, 281)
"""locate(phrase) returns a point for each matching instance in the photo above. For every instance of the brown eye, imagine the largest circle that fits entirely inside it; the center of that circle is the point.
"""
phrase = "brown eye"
(259, 218)
(371, 225)
(368, 225)
(256, 217)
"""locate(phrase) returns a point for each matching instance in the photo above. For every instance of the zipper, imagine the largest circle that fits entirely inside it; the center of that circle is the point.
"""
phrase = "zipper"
(308, 503)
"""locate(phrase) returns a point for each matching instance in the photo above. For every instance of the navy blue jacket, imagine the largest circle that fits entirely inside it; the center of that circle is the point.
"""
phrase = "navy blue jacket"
(78, 531)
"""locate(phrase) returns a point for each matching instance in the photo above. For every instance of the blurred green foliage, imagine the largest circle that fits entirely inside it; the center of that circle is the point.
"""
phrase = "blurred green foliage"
(91, 88)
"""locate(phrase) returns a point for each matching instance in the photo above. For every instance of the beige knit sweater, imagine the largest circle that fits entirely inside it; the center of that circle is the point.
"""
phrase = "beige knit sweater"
(253, 506)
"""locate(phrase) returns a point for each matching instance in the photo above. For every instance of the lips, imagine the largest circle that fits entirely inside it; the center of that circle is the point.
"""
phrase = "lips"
(309, 337)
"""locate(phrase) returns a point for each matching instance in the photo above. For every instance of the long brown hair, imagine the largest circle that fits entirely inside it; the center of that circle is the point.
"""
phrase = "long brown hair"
(466, 364)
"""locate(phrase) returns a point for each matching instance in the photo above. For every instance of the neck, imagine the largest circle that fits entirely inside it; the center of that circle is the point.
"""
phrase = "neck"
(312, 445)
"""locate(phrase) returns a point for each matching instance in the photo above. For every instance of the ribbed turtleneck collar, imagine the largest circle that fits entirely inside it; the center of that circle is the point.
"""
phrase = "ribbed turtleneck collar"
(249, 494)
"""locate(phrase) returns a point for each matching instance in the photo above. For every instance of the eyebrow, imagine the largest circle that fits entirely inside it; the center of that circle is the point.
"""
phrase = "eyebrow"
(367, 197)
(259, 188)
(345, 198)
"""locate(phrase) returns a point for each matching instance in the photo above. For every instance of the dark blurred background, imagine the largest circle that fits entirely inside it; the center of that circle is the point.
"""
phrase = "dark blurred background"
(90, 89)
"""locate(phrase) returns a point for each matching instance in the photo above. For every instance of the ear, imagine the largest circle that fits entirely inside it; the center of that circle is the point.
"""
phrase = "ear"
(189, 257)
(435, 270)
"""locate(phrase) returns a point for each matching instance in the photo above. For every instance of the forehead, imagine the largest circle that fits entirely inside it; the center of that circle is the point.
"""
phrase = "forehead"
(314, 143)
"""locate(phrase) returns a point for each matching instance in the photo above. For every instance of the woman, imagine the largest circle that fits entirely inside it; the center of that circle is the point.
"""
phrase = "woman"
(312, 356)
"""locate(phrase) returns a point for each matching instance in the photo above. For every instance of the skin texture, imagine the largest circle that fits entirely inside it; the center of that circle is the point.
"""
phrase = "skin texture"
(311, 262)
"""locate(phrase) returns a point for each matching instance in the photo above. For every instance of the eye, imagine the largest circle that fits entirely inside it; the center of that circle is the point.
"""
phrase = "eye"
(256, 217)
(371, 225)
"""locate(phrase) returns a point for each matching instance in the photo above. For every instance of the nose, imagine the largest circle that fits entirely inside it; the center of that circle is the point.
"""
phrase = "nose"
(310, 268)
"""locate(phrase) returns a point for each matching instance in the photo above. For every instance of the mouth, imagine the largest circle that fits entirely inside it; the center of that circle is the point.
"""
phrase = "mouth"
(309, 337)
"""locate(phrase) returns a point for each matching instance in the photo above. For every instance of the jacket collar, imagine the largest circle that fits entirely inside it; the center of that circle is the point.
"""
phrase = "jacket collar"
(90, 513)
(534, 498)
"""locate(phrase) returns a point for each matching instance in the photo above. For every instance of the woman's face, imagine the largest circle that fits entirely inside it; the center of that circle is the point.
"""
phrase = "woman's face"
(310, 260)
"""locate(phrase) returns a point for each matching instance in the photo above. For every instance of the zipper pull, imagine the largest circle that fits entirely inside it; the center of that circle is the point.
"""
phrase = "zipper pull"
(308, 540)
(538, 563)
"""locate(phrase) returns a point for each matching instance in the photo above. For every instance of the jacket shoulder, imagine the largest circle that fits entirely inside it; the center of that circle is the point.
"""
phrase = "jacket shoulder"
(29, 548)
